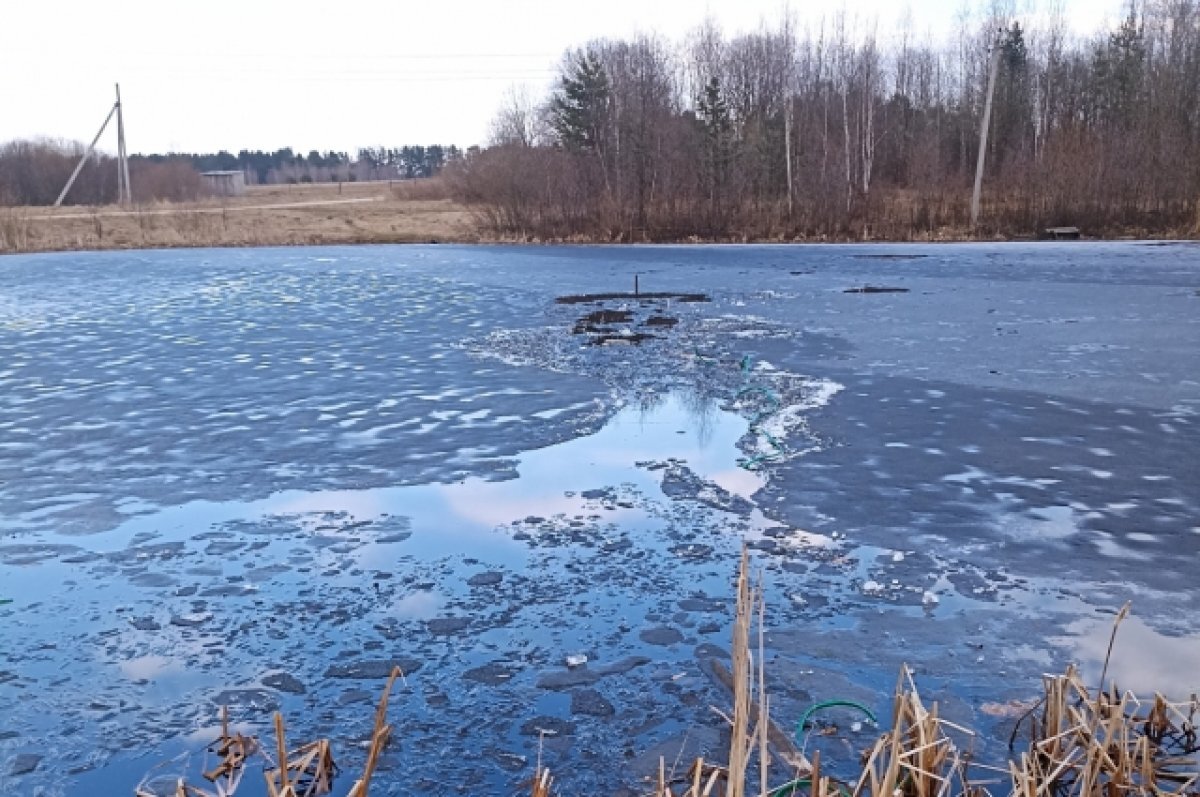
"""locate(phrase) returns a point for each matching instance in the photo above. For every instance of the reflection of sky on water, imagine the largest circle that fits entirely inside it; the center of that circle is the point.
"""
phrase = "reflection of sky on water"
(677, 427)
(738, 481)
(1143, 660)
(446, 517)
(145, 668)
(423, 528)
(420, 605)
(465, 515)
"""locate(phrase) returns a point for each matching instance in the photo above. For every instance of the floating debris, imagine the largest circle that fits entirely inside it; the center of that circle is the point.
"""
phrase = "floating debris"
(584, 298)
(597, 320)
(876, 289)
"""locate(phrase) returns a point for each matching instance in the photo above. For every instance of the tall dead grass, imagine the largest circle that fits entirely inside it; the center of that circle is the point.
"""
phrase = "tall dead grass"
(421, 189)
(15, 230)
(1082, 742)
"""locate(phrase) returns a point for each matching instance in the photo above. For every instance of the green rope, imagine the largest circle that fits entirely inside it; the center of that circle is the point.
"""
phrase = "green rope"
(773, 404)
(831, 704)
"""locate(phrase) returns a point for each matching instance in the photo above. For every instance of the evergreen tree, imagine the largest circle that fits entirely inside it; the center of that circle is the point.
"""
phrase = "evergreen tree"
(716, 121)
(1119, 68)
(579, 110)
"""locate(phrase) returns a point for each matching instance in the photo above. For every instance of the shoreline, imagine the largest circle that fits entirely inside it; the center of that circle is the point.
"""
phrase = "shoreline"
(1166, 239)
(381, 213)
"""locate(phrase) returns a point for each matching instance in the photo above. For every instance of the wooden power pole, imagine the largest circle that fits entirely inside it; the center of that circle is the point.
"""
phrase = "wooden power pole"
(124, 194)
(983, 134)
(787, 148)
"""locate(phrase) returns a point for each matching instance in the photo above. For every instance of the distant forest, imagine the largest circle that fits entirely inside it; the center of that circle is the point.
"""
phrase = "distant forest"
(838, 132)
(34, 172)
(286, 166)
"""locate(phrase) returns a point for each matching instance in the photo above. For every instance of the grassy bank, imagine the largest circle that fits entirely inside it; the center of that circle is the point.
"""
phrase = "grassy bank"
(422, 211)
(376, 212)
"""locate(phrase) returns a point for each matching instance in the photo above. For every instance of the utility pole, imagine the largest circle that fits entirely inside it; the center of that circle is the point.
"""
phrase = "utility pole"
(124, 195)
(983, 134)
(787, 148)
(124, 192)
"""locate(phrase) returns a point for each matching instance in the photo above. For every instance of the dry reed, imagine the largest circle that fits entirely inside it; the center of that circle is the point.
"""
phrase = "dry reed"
(307, 771)
(1082, 742)
(379, 737)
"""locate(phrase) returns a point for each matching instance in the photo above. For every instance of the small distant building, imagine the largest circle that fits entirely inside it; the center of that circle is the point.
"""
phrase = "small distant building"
(225, 183)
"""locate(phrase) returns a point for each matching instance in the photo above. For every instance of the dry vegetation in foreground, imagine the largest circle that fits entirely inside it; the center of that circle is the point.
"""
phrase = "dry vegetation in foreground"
(417, 211)
(1082, 742)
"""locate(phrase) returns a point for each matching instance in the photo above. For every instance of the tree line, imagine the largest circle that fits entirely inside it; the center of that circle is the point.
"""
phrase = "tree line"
(286, 166)
(34, 172)
(835, 132)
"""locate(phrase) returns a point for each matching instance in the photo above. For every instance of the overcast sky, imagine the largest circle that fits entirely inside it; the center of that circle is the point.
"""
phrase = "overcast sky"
(263, 74)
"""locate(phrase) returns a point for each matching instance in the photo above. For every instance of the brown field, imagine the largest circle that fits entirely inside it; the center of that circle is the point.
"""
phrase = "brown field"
(271, 215)
(409, 211)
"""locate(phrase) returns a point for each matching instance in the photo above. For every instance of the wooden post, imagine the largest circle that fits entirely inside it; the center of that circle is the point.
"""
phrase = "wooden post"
(124, 192)
(87, 154)
(983, 135)
(787, 149)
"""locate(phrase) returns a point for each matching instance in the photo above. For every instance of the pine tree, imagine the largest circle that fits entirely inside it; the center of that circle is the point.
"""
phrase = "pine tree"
(717, 123)
(579, 110)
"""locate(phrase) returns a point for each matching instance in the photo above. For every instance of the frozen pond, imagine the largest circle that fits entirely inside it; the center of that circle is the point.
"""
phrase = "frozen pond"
(259, 478)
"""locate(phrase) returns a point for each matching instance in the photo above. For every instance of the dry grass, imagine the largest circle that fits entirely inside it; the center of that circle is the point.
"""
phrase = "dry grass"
(407, 211)
(265, 216)
(307, 771)
(753, 736)
(432, 189)
(1107, 743)
(15, 230)
(917, 757)
(1082, 743)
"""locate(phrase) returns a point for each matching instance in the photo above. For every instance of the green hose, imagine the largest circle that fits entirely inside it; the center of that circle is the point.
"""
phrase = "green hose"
(831, 704)
(789, 789)
(773, 402)
(803, 783)
(799, 783)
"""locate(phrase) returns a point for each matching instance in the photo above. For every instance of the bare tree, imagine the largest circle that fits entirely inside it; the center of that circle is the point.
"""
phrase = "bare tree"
(821, 132)
(518, 120)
